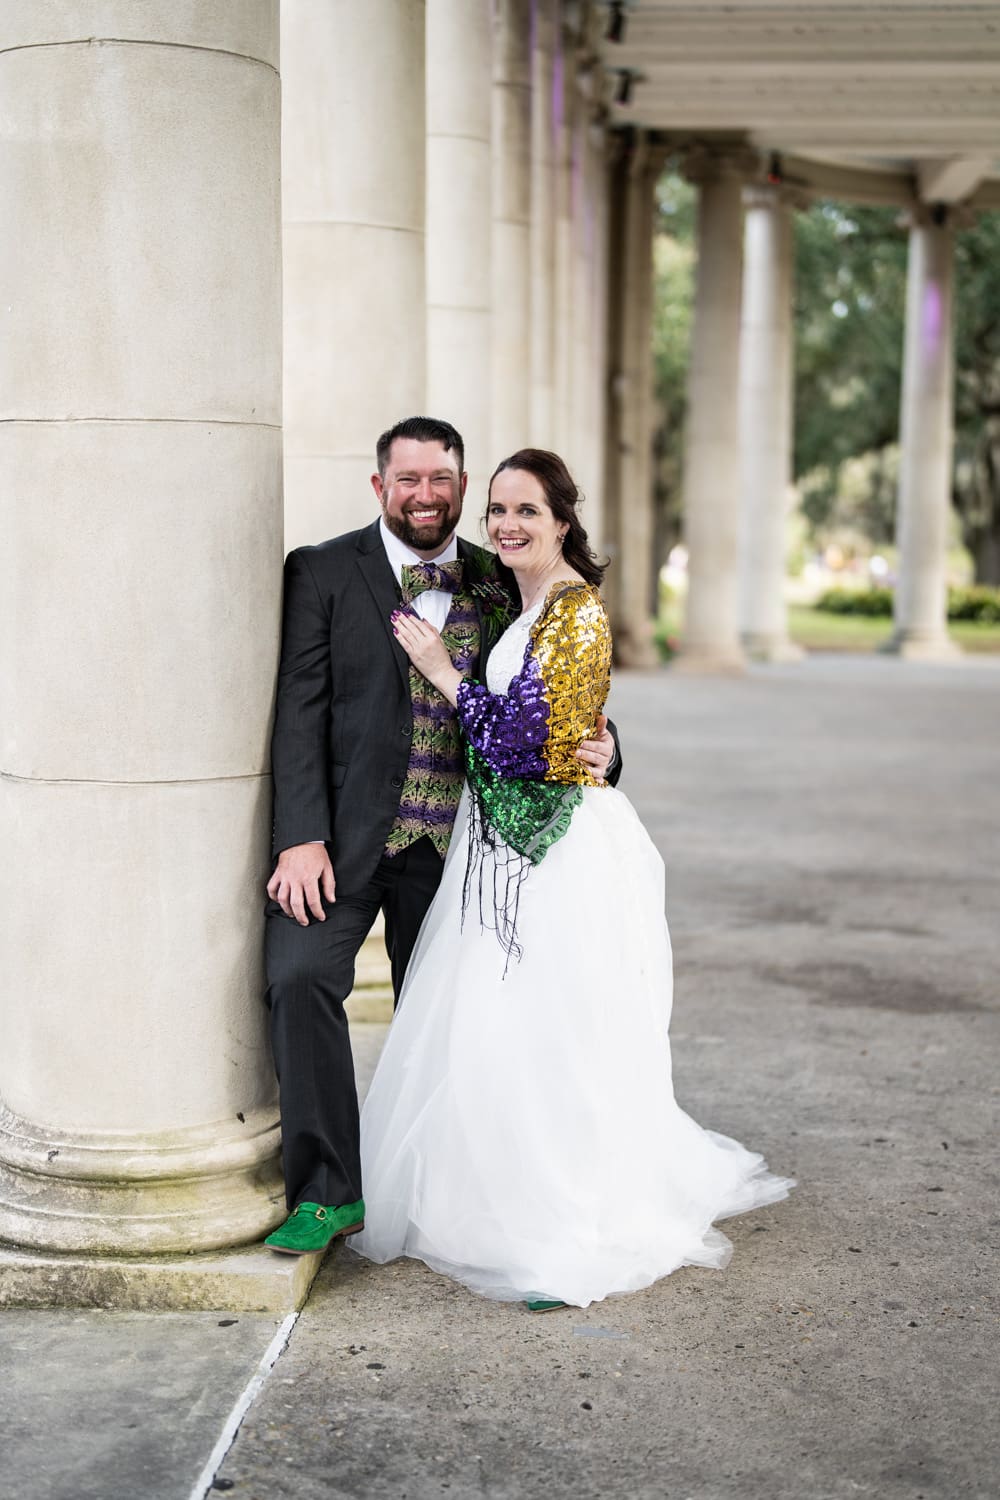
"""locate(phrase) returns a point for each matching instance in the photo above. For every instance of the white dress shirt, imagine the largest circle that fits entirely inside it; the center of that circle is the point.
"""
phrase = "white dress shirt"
(433, 605)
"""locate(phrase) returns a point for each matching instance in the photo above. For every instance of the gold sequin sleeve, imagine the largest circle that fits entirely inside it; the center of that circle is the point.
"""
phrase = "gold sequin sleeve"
(571, 643)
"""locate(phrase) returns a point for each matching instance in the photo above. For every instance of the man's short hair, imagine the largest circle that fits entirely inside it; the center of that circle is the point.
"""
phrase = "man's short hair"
(424, 430)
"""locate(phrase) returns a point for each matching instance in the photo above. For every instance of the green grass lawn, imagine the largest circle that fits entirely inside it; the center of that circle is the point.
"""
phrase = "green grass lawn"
(817, 630)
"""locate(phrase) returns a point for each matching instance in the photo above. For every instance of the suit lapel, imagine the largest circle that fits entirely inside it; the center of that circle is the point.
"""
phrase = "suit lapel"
(381, 580)
(465, 552)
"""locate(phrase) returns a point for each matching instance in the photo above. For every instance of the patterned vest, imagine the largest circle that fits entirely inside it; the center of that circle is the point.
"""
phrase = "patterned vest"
(436, 772)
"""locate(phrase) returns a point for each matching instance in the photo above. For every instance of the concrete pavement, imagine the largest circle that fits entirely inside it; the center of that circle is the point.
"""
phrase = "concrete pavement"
(830, 831)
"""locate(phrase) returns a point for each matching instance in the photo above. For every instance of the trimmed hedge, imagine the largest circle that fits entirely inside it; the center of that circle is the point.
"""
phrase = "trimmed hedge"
(980, 604)
(856, 602)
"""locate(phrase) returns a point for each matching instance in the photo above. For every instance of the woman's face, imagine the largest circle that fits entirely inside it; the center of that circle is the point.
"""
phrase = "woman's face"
(520, 523)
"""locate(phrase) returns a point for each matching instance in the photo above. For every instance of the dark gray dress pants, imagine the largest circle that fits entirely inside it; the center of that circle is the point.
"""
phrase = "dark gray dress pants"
(310, 973)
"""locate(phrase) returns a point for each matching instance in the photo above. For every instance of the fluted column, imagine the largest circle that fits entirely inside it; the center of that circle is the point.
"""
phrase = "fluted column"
(140, 487)
(613, 413)
(711, 452)
(765, 431)
(544, 151)
(926, 437)
(632, 385)
(459, 206)
(565, 109)
(587, 324)
(511, 213)
(353, 158)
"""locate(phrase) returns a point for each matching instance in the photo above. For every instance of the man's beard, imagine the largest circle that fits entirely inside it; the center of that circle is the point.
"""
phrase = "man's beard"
(423, 538)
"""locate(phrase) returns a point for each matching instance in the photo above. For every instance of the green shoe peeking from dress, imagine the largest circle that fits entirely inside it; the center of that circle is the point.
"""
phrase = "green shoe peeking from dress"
(311, 1227)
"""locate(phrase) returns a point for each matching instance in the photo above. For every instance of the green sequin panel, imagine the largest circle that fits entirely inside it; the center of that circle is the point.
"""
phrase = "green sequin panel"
(529, 816)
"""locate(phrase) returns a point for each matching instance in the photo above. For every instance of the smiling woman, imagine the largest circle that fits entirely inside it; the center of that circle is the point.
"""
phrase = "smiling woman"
(532, 519)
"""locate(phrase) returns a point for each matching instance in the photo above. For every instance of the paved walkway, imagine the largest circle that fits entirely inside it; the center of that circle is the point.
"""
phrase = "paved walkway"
(831, 832)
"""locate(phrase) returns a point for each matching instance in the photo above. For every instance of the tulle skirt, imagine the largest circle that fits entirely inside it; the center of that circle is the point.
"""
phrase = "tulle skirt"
(521, 1133)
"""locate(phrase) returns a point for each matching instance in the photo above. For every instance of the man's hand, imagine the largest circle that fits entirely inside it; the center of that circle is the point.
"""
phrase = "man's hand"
(302, 877)
(598, 753)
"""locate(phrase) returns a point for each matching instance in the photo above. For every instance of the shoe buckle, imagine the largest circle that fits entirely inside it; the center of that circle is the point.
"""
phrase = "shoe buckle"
(321, 1213)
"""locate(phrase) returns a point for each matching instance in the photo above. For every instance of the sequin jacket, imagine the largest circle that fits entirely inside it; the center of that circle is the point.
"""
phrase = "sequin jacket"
(534, 730)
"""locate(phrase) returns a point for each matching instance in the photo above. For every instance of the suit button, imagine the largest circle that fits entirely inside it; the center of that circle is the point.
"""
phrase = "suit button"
(396, 781)
(406, 729)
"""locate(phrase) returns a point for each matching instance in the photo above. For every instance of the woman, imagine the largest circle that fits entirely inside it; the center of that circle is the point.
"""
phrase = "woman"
(521, 1133)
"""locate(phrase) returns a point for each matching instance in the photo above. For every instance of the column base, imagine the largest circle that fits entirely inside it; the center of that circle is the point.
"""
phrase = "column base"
(710, 661)
(772, 648)
(634, 643)
(250, 1280)
(181, 1191)
(913, 647)
(636, 656)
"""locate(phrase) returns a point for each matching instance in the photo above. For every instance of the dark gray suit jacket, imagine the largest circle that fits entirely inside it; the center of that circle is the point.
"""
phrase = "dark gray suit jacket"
(343, 719)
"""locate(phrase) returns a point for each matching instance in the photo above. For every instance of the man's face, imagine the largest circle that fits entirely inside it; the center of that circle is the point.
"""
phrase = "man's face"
(421, 494)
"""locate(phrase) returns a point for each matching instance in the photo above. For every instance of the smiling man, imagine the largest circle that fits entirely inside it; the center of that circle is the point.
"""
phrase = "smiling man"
(368, 773)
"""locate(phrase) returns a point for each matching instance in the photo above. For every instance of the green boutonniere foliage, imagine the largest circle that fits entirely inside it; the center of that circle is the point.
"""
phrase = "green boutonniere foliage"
(494, 597)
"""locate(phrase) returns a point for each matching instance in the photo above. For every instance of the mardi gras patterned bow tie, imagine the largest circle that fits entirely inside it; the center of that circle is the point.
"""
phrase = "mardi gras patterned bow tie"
(419, 577)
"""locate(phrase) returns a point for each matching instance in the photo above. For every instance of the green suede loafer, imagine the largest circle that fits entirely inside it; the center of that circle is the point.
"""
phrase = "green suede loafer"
(312, 1227)
(544, 1306)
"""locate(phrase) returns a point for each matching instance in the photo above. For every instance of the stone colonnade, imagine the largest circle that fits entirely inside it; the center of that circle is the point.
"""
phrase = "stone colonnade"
(467, 234)
(140, 448)
(740, 424)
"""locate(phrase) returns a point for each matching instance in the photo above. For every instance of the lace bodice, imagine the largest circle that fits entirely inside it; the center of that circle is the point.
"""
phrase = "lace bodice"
(507, 656)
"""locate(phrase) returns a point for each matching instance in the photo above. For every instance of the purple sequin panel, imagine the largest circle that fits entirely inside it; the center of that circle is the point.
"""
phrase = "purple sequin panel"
(508, 729)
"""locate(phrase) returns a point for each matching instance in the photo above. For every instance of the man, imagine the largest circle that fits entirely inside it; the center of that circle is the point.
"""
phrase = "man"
(367, 766)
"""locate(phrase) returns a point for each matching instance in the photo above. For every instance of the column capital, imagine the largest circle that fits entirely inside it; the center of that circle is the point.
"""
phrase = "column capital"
(937, 216)
(708, 162)
(774, 195)
(643, 152)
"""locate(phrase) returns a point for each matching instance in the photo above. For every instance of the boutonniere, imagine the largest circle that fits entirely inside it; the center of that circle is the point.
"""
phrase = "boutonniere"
(497, 606)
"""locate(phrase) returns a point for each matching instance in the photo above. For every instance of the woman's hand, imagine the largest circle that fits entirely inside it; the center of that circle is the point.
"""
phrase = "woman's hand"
(425, 648)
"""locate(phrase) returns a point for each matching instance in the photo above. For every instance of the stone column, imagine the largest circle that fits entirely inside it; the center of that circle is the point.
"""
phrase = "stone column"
(613, 414)
(926, 443)
(633, 392)
(711, 457)
(459, 206)
(140, 490)
(765, 418)
(353, 158)
(546, 86)
(586, 324)
(511, 214)
(596, 251)
(566, 104)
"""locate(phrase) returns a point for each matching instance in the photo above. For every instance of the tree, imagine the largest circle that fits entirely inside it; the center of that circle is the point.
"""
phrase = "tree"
(850, 292)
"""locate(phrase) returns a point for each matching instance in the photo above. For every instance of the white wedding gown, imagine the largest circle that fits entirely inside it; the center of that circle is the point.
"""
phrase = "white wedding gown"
(521, 1133)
